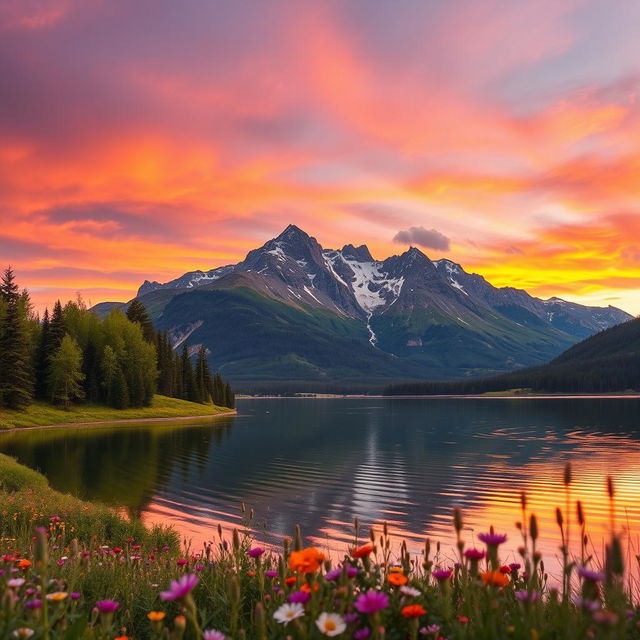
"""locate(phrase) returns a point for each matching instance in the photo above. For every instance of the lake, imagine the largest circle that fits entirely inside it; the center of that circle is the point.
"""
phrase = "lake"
(323, 462)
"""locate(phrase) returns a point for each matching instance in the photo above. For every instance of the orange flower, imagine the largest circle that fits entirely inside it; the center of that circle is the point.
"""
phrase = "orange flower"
(307, 589)
(305, 561)
(290, 581)
(413, 611)
(24, 564)
(363, 551)
(494, 578)
(397, 579)
(156, 616)
(251, 573)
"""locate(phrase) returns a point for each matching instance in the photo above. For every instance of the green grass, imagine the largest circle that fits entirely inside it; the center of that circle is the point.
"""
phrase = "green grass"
(27, 501)
(42, 413)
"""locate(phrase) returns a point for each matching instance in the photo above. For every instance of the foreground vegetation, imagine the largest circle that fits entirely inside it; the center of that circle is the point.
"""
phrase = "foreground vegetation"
(42, 413)
(87, 574)
(76, 356)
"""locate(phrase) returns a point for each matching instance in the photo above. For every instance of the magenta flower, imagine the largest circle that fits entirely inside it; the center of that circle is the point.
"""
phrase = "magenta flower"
(474, 554)
(271, 574)
(590, 574)
(107, 606)
(180, 588)
(442, 574)
(362, 634)
(525, 596)
(212, 634)
(75, 595)
(492, 539)
(335, 574)
(371, 601)
(255, 552)
(300, 596)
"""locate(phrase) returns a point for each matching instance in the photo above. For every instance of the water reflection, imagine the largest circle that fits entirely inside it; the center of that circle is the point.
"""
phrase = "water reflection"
(321, 463)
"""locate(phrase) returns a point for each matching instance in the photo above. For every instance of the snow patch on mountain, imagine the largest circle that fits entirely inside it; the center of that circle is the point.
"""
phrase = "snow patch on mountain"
(372, 287)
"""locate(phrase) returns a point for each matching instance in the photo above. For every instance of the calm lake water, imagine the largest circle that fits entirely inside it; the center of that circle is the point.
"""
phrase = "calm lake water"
(323, 462)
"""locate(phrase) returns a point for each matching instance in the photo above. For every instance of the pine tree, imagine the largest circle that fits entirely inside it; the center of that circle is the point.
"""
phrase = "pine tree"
(114, 383)
(65, 373)
(188, 381)
(16, 379)
(178, 379)
(229, 397)
(56, 328)
(218, 390)
(137, 312)
(42, 357)
(203, 382)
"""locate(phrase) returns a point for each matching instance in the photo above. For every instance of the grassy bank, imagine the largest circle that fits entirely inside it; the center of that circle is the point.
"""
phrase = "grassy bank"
(41, 413)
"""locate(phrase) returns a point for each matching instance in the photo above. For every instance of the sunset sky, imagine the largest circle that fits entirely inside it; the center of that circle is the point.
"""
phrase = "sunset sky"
(145, 138)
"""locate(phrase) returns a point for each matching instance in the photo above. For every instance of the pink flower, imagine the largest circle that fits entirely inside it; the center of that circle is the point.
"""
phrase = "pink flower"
(212, 634)
(442, 574)
(255, 552)
(492, 539)
(180, 588)
(107, 606)
(474, 554)
(590, 574)
(371, 601)
(300, 596)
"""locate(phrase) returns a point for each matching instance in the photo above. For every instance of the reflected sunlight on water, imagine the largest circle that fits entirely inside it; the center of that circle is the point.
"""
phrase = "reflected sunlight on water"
(324, 462)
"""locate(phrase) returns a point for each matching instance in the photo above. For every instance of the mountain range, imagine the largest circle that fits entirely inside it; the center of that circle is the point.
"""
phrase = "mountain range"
(293, 312)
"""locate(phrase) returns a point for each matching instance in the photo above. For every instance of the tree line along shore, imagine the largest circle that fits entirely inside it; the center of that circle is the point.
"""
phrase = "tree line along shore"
(72, 359)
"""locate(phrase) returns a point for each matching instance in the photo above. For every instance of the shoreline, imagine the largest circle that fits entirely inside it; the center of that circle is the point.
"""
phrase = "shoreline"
(121, 421)
(541, 396)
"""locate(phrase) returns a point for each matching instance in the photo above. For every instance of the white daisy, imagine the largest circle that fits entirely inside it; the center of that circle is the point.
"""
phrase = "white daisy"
(288, 611)
(331, 624)
(410, 591)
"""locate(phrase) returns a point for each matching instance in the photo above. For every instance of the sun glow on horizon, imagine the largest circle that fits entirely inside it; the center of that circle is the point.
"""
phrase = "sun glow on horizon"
(510, 130)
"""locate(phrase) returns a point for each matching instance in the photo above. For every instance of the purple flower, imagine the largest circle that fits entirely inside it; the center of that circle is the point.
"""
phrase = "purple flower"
(514, 566)
(255, 552)
(74, 595)
(525, 596)
(33, 604)
(180, 588)
(335, 574)
(371, 601)
(300, 596)
(588, 605)
(271, 574)
(441, 574)
(362, 634)
(351, 618)
(107, 606)
(199, 567)
(590, 574)
(492, 539)
(212, 634)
